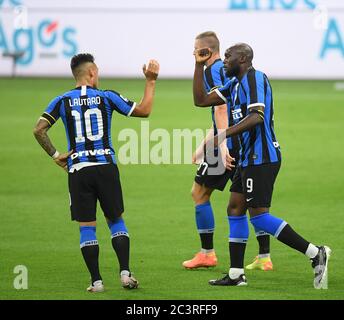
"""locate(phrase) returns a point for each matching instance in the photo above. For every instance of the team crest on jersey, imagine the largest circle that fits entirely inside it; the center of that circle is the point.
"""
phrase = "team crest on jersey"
(237, 114)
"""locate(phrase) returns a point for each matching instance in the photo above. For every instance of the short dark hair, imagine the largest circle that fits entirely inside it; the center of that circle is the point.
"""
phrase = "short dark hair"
(80, 59)
(244, 49)
(211, 38)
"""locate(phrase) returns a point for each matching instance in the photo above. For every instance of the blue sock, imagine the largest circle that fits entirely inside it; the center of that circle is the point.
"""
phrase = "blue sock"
(88, 236)
(120, 243)
(205, 225)
(238, 229)
(90, 251)
(268, 223)
(263, 239)
(238, 235)
(259, 232)
(205, 218)
(118, 228)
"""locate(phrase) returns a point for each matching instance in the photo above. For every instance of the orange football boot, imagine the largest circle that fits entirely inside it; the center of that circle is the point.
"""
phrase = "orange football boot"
(200, 260)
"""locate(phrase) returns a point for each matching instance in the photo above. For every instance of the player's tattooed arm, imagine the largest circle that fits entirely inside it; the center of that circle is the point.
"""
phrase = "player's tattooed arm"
(201, 98)
(41, 135)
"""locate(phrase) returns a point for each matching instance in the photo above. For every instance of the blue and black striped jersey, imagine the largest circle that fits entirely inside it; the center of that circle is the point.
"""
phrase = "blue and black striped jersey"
(86, 113)
(214, 78)
(258, 145)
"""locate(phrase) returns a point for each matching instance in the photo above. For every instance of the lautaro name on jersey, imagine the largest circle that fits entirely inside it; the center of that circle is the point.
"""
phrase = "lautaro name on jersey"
(86, 113)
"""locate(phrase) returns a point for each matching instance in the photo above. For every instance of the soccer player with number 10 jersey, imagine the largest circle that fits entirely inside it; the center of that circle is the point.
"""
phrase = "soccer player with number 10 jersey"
(86, 112)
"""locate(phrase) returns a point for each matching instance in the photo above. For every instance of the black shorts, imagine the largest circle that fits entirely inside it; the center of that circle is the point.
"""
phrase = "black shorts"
(93, 183)
(204, 176)
(256, 183)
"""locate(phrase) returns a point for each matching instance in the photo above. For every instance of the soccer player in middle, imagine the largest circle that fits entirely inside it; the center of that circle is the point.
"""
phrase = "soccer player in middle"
(205, 182)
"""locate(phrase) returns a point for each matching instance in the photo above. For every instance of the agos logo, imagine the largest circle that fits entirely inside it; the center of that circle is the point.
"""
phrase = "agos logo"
(11, 2)
(271, 4)
(46, 38)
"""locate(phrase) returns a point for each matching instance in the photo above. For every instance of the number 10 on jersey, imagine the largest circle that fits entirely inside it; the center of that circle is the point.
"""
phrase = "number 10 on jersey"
(97, 118)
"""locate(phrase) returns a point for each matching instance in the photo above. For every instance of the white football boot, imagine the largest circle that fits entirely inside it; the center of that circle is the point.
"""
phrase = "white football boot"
(97, 286)
(128, 281)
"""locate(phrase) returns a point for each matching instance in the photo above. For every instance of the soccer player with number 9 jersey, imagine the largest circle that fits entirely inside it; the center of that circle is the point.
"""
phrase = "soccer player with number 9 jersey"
(259, 163)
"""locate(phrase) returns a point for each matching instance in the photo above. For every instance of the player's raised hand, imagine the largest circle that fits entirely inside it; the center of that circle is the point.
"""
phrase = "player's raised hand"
(151, 71)
(202, 55)
(61, 160)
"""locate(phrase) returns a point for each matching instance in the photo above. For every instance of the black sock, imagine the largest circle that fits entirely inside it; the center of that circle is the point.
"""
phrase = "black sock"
(91, 255)
(207, 240)
(264, 244)
(289, 237)
(121, 245)
(237, 252)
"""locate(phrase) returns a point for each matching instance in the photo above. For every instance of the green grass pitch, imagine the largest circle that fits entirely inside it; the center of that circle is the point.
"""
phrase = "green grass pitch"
(36, 230)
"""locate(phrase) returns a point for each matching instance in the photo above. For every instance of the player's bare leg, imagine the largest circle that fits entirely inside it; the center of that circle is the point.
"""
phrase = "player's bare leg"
(205, 225)
(200, 193)
(90, 252)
